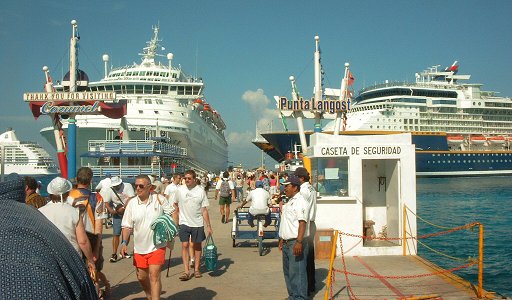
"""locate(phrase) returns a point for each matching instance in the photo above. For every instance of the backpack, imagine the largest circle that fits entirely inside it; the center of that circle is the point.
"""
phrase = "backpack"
(225, 191)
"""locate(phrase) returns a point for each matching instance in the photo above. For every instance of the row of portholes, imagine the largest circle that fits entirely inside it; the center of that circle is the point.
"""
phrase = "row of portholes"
(475, 154)
(471, 161)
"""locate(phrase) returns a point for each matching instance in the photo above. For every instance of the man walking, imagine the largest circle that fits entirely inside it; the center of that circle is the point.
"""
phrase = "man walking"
(308, 192)
(293, 242)
(225, 192)
(192, 203)
(116, 197)
(139, 213)
(91, 208)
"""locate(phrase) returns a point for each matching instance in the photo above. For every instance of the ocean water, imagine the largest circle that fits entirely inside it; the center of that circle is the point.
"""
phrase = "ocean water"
(452, 202)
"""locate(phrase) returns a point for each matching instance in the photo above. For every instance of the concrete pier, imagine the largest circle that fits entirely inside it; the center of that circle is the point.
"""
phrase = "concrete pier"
(243, 274)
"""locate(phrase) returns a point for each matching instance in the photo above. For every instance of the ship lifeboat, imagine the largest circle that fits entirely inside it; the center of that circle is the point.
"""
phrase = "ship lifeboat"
(478, 139)
(497, 140)
(198, 101)
(455, 139)
(207, 107)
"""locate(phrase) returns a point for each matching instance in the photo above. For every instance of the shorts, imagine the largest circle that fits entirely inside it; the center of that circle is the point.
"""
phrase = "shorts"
(93, 239)
(195, 234)
(116, 224)
(224, 200)
(142, 261)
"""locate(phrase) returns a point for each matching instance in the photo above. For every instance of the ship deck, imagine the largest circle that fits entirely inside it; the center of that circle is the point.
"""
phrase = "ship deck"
(243, 274)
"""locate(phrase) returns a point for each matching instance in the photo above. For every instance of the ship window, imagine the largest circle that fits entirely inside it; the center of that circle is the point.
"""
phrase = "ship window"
(181, 90)
(330, 176)
(157, 112)
(139, 89)
(147, 89)
(141, 112)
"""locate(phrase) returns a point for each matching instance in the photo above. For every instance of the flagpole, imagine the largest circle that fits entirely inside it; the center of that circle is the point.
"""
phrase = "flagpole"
(298, 116)
(343, 93)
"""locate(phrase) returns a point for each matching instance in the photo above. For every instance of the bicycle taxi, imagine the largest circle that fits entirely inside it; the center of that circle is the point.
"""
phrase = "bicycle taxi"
(241, 229)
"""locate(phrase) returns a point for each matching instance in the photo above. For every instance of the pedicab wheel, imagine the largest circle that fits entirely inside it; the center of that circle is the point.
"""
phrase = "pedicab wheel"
(260, 245)
(234, 243)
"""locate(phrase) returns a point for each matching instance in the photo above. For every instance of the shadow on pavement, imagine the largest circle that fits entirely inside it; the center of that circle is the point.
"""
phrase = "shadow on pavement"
(196, 293)
(222, 267)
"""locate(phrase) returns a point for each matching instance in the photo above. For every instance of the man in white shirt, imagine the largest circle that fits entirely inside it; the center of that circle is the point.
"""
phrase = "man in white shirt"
(192, 203)
(140, 212)
(308, 192)
(116, 198)
(293, 233)
(260, 202)
(173, 186)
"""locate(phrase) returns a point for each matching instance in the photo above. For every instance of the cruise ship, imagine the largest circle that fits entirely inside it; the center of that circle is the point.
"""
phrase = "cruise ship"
(166, 109)
(24, 158)
(458, 128)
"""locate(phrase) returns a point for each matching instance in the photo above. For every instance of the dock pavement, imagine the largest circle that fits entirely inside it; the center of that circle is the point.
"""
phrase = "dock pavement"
(243, 274)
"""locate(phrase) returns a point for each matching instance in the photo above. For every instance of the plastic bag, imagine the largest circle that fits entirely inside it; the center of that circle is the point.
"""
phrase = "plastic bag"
(210, 254)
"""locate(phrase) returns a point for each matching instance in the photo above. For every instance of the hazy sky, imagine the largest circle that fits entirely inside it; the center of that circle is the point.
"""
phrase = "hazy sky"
(246, 50)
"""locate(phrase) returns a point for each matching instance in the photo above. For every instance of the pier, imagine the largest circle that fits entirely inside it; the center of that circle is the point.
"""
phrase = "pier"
(243, 274)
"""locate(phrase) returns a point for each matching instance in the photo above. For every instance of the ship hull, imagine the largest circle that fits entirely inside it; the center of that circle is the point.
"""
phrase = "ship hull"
(433, 157)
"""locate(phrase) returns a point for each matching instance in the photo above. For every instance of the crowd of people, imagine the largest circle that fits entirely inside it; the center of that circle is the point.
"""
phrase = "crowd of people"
(80, 213)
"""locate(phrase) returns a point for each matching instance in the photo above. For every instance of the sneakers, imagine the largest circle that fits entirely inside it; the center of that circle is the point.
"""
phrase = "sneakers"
(126, 256)
(113, 258)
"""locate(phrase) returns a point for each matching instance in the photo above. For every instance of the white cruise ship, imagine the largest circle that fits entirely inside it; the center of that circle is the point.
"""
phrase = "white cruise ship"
(25, 158)
(438, 101)
(164, 104)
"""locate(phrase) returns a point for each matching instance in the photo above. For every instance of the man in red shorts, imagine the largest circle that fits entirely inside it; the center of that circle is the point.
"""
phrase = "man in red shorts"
(140, 212)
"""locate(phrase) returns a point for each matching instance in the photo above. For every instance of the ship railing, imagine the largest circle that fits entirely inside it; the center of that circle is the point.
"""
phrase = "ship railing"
(129, 171)
(405, 83)
(134, 146)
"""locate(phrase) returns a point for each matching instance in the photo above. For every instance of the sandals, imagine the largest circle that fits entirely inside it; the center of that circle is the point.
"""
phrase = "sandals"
(197, 274)
(185, 276)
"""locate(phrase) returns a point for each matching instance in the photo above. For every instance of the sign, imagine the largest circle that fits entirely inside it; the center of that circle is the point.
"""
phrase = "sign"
(325, 151)
(51, 108)
(329, 106)
(69, 96)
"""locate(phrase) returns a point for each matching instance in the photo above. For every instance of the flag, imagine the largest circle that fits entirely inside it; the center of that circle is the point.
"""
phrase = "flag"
(351, 78)
(283, 119)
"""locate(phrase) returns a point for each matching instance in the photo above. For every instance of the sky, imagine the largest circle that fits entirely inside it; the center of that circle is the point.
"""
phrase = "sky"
(245, 51)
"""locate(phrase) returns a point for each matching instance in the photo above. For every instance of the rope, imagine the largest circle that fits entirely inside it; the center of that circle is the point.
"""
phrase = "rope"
(430, 223)
(443, 254)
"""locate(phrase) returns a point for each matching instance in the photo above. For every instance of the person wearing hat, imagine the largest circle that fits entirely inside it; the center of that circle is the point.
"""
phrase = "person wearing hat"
(38, 261)
(67, 218)
(116, 198)
(225, 192)
(293, 242)
(260, 204)
(308, 192)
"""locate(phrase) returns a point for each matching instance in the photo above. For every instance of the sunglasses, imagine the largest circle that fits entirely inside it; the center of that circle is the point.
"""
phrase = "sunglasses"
(140, 186)
(188, 178)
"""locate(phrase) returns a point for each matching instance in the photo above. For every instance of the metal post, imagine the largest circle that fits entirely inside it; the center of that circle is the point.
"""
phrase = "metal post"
(2, 162)
(481, 261)
(404, 231)
(331, 264)
(71, 148)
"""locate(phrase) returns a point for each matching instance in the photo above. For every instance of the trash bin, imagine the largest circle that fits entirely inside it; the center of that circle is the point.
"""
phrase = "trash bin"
(323, 243)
